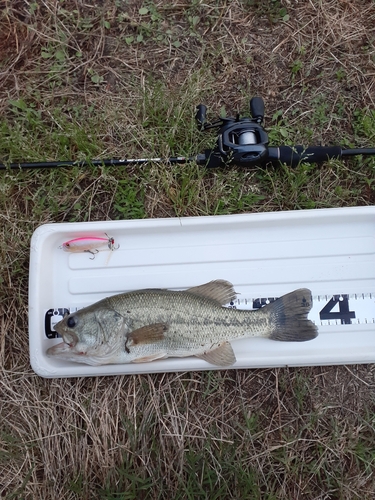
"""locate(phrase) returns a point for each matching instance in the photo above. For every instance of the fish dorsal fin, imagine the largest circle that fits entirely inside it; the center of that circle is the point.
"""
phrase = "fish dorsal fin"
(221, 356)
(219, 290)
(147, 334)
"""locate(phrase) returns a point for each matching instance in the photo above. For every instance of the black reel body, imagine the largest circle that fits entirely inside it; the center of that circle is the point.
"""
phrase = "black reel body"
(241, 141)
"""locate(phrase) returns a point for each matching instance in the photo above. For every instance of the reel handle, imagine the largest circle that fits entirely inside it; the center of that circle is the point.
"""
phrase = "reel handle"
(257, 109)
(200, 116)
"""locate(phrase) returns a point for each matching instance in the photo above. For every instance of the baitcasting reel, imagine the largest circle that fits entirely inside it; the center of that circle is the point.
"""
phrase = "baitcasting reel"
(242, 141)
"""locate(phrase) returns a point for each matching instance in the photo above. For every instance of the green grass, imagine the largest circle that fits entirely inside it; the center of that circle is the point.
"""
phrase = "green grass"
(122, 79)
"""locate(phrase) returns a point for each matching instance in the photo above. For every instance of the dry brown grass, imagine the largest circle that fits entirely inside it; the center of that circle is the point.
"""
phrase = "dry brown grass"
(301, 433)
(293, 432)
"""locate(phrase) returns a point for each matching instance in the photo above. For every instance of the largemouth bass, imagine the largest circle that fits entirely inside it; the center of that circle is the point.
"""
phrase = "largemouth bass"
(151, 324)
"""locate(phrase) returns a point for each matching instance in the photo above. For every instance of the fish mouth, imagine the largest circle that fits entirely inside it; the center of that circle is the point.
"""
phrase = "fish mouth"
(59, 349)
(67, 348)
(70, 340)
(68, 336)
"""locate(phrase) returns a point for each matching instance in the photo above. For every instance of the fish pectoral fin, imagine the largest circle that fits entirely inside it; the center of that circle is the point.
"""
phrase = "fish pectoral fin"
(221, 356)
(147, 334)
(220, 291)
(151, 357)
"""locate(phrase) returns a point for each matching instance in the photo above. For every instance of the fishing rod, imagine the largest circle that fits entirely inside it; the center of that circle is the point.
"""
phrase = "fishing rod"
(240, 141)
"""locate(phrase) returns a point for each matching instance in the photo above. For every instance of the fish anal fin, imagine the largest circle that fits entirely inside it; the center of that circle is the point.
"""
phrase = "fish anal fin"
(221, 356)
(219, 290)
(147, 334)
(151, 357)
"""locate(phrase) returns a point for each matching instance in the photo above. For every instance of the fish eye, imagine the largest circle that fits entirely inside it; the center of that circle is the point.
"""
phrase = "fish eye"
(71, 323)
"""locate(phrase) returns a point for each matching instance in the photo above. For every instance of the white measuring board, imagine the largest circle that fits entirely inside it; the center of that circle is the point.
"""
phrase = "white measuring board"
(264, 255)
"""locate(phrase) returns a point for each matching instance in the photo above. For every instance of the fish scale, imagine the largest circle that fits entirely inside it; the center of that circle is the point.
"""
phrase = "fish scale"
(187, 332)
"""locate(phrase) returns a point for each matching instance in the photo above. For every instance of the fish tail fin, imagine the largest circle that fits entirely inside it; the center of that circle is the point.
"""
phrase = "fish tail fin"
(289, 317)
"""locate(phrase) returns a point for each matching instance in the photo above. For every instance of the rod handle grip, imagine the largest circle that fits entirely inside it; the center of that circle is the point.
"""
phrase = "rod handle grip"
(293, 155)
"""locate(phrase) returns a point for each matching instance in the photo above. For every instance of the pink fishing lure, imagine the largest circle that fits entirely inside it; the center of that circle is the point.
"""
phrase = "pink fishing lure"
(90, 244)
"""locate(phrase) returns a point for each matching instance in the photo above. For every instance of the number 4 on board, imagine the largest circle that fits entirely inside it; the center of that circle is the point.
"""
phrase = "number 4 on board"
(343, 313)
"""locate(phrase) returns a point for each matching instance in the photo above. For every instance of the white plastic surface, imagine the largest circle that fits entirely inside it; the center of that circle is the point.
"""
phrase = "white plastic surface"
(330, 251)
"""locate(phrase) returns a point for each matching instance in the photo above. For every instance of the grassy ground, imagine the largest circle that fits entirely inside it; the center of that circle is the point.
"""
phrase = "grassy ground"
(122, 78)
